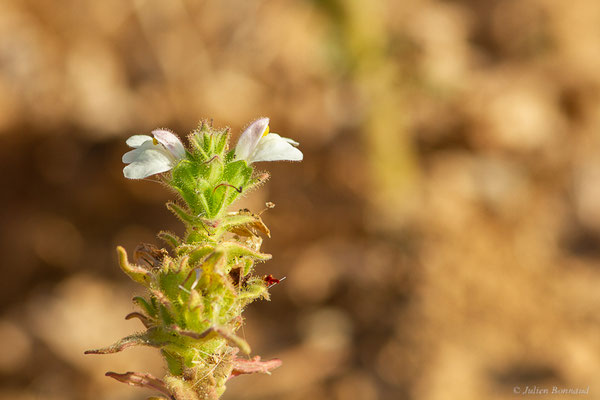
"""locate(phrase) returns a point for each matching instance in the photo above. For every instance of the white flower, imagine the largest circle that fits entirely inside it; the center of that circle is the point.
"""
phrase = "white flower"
(152, 155)
(257, 144)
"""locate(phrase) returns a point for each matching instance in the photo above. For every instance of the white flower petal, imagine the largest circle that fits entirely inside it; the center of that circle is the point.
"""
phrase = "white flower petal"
(170, 141)
(275, 148)
(291, 141)
(136, 141)
(133, 155)
(148, 162)
(250, 138)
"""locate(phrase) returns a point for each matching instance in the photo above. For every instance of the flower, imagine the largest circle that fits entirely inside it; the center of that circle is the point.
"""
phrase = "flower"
(152, 155)
(257, 144)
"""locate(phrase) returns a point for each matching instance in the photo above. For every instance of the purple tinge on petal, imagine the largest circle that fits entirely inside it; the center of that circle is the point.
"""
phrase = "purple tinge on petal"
(250, 138)
(170, 141)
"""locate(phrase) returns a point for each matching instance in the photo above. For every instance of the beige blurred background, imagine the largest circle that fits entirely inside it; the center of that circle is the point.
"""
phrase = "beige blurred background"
(441, 239)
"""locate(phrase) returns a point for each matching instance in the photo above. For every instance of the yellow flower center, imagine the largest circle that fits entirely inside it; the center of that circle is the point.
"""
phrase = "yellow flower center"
(266, 132)
(154, 141)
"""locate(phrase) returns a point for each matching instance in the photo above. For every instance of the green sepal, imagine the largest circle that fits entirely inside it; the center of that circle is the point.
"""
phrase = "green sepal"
(200, 252)
(215, 262)
(189, 179)
(254, 289)
(207, 141)
(195, 301)
(135, 272)
(235, 249)
(182, 214)
(257, 181)
(165, 316)
(170, 238)
(215, 170)
(174, 362)
(195, 236)
(165, 307)
(145, 306)
(193, 311)
(183, 264)
(236, 220)
(247, 266)
(222, 138)
(196, 139)
(169, 284)
(237, 173)
(230, 156)
(215, 331)
(236, 341)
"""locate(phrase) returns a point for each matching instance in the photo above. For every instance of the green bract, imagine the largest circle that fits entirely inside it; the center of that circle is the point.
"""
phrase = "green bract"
(196, 291)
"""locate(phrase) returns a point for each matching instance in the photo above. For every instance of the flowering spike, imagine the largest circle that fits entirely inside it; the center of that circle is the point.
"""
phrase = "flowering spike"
(196, 293)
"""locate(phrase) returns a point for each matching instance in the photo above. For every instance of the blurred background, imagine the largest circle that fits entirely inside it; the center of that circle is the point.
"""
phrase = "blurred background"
(441, 239)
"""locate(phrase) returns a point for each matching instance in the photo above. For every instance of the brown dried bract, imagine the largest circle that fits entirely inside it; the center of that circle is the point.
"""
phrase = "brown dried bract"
(254, 366)
(142, 380)
(251, 228)
(148, 255)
